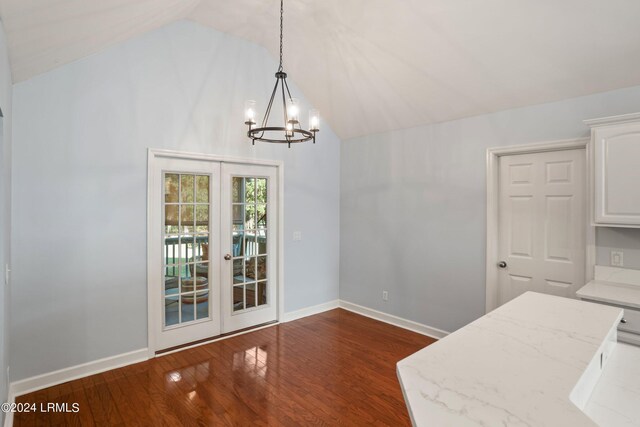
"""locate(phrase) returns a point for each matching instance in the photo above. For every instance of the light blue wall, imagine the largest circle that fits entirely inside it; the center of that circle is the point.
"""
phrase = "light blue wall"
(413, 210)
(80, 186)
(614, 238)
(5, 208)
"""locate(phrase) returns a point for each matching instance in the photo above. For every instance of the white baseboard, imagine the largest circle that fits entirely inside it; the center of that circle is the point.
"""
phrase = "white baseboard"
(8, 416)
(310, 311)
(394, 320)
(28, 385)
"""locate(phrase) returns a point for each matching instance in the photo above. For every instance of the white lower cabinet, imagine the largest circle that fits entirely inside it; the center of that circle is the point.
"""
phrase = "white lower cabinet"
(629, 327)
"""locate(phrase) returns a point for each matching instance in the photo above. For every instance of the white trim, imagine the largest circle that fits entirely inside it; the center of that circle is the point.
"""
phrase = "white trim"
(604, 121)
(217, 339)
(28, 385)
(8, 416)
(493, 154)
(590, 241)
(151, 315)
(156, 152)
(310, 311)
(280, 241)
(394, 320)
(152, 154)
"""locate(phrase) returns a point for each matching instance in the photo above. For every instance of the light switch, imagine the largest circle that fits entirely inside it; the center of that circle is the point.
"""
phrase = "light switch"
(617, 259)
(297, 236)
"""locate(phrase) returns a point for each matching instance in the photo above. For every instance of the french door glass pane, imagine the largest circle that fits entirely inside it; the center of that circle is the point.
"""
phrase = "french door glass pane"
(186, 247)
(171, 310)
(262, 293)
(186, 188)
(261, 268)
(171, 188)
(237, 189)
(202, 189)
(249, 225)
(251, 295)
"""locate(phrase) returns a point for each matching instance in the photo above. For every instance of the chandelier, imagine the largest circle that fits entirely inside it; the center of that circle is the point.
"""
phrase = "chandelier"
(291, 132)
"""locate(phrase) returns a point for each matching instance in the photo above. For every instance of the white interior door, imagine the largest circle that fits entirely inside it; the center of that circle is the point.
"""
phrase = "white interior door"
(184, 250)
(542, 221)
(249, 230)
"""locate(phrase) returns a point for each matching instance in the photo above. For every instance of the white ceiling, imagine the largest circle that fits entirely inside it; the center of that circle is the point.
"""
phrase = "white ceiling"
(374, 65)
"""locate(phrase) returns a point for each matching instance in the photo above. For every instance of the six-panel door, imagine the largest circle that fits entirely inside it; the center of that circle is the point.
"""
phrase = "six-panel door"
(542, 219)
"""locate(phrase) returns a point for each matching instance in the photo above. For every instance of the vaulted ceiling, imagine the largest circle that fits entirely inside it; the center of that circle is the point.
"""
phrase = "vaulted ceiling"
(374, 65)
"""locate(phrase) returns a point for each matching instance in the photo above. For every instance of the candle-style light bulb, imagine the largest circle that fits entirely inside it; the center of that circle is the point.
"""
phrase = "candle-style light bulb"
(314, 120)
(289, 129)
(293, 111)
(250, 112)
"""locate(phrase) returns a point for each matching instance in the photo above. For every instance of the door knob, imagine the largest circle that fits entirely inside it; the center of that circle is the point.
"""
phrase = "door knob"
(623, 320)
(227, 257)
(502, 264)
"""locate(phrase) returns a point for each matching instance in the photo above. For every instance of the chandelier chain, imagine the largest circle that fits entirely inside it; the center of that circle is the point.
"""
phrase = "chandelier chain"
(281, 28)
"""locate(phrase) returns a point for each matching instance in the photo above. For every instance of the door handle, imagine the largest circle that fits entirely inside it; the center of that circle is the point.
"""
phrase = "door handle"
(502, 264)
(227, 257)
(623, 320)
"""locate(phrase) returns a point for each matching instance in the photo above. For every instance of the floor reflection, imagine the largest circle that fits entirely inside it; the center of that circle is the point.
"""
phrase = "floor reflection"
(189, 376)
(252, 361)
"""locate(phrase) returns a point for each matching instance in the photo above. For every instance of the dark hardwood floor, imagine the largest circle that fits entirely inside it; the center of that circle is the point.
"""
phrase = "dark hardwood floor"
(334, 368)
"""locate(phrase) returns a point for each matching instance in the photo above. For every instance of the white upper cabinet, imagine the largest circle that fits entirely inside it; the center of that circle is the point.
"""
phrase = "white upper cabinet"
(616, 170)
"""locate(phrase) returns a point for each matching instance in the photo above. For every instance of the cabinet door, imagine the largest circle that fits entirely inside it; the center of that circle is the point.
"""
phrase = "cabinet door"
(617, 174)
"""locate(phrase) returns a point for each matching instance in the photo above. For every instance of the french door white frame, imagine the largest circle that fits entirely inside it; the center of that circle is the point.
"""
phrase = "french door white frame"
(493, 197)
(153, 314)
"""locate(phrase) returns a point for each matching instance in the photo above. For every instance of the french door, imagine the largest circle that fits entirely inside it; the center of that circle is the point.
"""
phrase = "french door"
(212, 249)
(248, 240)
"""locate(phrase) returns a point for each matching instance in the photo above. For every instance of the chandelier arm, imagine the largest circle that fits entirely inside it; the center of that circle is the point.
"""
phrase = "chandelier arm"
(287, 87)
(267, 113)
(284, 109)
(265, 119)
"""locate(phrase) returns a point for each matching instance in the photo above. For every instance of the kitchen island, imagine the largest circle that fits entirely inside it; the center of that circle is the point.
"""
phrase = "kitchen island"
(532, 362)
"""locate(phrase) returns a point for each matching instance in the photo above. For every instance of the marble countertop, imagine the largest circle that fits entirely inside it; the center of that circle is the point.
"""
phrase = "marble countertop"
(613, 285)
(611, 292)
(516, 366)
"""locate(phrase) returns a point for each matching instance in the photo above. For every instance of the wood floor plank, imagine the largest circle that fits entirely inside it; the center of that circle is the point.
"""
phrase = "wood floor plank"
(334, 368)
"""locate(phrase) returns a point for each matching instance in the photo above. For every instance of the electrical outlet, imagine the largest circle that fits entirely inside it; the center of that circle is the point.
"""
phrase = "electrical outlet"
(297, 236)
(617, 259)
(385, 296)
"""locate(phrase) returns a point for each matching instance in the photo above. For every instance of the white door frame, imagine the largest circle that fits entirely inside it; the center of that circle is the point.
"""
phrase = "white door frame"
(493, 197)
(152, 156)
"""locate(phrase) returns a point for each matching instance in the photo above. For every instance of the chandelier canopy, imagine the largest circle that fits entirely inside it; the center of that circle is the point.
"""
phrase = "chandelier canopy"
(291, 131)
